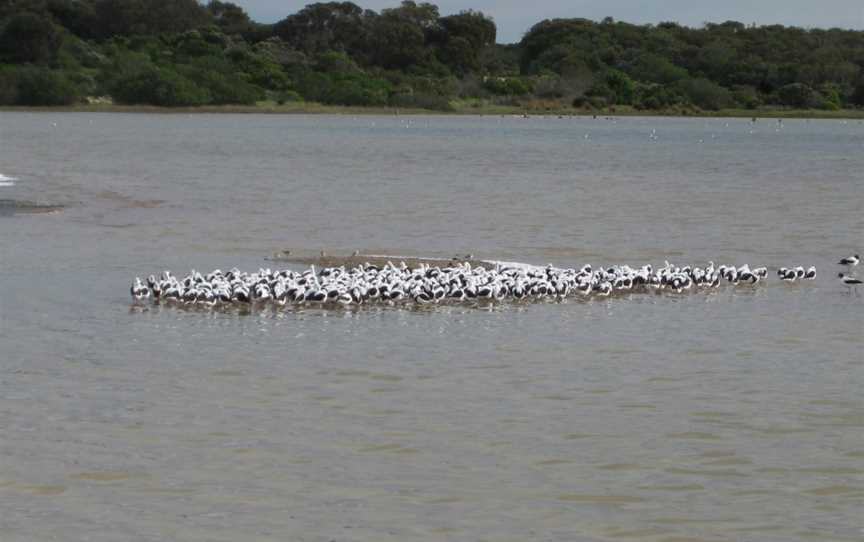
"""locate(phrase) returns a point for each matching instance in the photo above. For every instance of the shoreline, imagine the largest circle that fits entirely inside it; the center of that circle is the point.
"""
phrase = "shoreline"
(311, 108)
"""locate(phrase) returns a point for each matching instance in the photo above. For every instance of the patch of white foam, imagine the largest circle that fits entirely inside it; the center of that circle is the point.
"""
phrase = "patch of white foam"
(7, 181)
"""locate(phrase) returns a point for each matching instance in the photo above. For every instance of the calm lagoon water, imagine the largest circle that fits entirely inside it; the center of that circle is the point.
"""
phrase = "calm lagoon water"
(722, 416)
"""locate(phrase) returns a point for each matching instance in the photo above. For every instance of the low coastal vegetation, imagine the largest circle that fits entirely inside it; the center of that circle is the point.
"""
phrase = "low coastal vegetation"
(184, 54)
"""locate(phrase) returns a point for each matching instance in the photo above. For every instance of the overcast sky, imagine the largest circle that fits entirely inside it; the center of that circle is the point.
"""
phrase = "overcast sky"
(514, 17)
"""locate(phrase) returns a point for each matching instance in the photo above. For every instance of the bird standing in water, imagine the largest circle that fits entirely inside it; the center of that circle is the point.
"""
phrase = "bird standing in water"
(849, 281)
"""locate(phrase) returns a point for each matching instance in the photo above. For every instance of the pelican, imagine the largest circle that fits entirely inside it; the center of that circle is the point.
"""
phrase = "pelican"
(138, 290)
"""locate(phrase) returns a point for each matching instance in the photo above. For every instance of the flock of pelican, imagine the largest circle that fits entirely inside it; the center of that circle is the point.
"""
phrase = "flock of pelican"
(454, 282)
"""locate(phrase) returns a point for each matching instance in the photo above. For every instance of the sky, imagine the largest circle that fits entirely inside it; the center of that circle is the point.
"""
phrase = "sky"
(515, 17)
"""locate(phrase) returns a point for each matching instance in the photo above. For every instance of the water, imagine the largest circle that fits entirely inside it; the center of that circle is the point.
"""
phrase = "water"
(735, 415)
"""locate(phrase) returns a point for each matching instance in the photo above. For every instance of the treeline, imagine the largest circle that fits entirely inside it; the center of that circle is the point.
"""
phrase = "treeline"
(184, 53)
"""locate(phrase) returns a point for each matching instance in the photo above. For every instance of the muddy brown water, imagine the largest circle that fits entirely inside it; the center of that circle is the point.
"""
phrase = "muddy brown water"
(731, 415)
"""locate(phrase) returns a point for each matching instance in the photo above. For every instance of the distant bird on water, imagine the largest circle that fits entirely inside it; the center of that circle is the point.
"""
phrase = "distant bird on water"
(849, 281)
(138, 290)
(788, 275)
(851, 260)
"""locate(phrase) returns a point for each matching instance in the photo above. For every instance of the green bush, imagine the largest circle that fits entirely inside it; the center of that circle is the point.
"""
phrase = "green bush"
(84, 82)
(857, 97)
(41, 86)
(357, 90)
(224, 88)
(29, 38)
(216, 77)
(507, 86)
(830, 95)
(344, 89)
(657, 96)
(705, 94)
(266, 74)
(616, 88)
(8, 86)
(548, 86)
(179, 52)
(598, 102)
(286, 96)
(623, 88)
(334, 62)
(158, 86)
(746, 96)
(796, 95)
(656, 69)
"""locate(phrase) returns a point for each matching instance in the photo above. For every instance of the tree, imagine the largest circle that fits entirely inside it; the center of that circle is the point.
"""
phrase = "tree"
(567, 34)
(333, 62)
(507, 86)
(182, 52)
(796, 95)
(460, 55)
(857, 97)
(655, 69)
(478, 29)
(8, 86)
(462, 39)
(654, 96)
(423, 15)
(28, 38)
(78, 16)
(746, 96)
(157, 86)
(231, 18)
(399, 42)
(41, 86)
(705, 93)
(623, 89)
(147, 17)
(329, 26)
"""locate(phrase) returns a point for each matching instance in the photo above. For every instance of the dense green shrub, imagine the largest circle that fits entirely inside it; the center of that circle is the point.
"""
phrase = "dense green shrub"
(657, 96)
(181, 52)
(286, 96)
(216, 77)
(616, 88)
(623, 89)
(830, 96)
(41, 86)
(8, 86)
(653, 68)
(857, 97)
(357, 90)
(797, 95)
(158, 86)
(29, 38)
(746, 96)
(705, 94)
(222, 88)
(507, 86)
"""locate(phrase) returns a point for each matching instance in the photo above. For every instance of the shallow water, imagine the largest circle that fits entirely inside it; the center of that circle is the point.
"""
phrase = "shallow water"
(733, 415)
